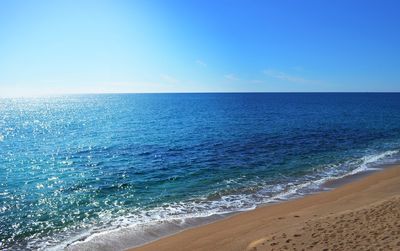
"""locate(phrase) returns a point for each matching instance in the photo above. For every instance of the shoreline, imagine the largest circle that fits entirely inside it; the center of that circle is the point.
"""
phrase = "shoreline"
(136, 236)
(253, 230)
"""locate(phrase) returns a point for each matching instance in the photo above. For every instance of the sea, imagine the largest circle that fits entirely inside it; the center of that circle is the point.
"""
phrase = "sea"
(108, 172)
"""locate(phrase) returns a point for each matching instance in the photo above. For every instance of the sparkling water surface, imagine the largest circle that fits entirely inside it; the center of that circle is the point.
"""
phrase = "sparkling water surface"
(73, 167)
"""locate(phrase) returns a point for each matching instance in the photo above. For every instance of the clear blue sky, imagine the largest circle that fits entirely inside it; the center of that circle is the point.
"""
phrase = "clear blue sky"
(51, 47)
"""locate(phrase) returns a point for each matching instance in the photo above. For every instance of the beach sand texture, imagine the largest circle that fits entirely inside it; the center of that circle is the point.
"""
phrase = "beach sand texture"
(375, 227)
(362, 215)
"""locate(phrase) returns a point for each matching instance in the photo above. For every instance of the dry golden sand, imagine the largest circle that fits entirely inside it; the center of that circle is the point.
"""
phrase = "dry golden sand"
(363, 215)
(375, 227)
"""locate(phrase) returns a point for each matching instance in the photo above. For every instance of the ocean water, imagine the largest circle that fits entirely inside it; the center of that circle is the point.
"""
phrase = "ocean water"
(107, 172)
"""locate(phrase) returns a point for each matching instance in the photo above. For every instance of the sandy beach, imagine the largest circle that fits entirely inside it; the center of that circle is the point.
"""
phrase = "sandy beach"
(362, 215)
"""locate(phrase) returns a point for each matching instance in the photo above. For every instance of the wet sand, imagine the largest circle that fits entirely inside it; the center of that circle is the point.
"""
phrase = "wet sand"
(362, 215)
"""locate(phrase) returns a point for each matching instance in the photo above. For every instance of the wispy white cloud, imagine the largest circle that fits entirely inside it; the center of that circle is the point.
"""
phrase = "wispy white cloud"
(201, 63)
(56, 88)
(286, 77)
(231, 77)
(169, 79)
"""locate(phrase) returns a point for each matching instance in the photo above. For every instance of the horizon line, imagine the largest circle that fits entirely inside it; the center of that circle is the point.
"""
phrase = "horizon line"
(211, 92)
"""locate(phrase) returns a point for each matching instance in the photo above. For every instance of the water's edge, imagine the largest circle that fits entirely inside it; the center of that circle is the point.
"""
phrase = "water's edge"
(132, 237)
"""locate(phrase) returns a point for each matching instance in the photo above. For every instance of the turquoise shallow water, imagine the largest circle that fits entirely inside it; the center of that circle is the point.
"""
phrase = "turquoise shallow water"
(84, 170)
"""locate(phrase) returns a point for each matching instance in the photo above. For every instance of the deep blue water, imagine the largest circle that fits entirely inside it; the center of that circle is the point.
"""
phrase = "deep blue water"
(74, 166)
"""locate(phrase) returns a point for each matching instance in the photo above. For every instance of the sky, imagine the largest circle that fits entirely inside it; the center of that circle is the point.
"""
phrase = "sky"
(117, 46)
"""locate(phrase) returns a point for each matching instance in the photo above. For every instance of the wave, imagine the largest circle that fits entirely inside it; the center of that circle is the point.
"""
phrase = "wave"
(144, 226)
